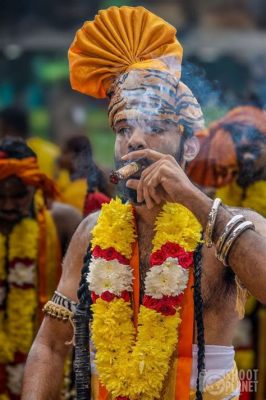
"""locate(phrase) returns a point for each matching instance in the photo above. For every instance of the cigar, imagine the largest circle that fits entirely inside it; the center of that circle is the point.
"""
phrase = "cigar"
(125, 172)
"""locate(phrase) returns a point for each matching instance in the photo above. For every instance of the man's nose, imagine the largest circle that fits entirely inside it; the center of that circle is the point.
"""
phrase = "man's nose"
(137, 140)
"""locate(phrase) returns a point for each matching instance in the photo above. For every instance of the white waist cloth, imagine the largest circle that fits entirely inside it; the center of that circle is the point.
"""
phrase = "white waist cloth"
(219, 360)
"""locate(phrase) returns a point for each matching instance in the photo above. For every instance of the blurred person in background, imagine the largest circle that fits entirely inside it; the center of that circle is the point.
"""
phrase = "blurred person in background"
(14, 122)
(81, 182)
(232, 158)
(231, 164)
(32, 242)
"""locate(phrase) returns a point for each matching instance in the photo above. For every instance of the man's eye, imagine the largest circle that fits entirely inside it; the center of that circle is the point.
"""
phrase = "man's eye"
(156, 129)
(123, 131)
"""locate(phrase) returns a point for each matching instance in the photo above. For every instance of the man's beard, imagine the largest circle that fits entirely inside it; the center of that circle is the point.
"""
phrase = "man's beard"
(125, 193)
(248, 171)
(248, 174)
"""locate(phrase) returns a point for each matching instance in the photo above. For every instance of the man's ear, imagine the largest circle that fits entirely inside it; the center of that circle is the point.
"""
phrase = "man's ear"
(191, 148)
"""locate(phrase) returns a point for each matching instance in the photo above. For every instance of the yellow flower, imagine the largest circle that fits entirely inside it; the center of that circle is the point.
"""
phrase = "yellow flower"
(231, 195)
(128, 366)
(2, 258)
(27, 230)
(22, 304)
(115, 228)
(6, 345)
(254, 196)
(17, 322)
(176, 224)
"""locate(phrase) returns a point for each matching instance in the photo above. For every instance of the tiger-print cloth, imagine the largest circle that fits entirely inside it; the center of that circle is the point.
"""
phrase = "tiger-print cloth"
(149, 94)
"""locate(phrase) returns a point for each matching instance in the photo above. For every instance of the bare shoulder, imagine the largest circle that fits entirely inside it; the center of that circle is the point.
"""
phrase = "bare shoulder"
(258, 220)
(66, 219)
(63, 212)
(73, 261)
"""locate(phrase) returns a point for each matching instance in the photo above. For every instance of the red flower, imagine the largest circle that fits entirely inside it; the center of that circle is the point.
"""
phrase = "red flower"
(122, 398)
(171, 249)
(109, 254)
(108, 296)
(157, 258)
(185, 259)
(94, 297)
(166, 305)
(125, 295)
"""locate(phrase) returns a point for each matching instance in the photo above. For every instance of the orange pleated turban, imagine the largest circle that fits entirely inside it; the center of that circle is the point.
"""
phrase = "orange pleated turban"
(133, 57)
(117, 40)
(28, 171)
(216, 164)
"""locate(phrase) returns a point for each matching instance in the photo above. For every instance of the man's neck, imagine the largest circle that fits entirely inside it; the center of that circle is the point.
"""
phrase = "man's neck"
(147, 216)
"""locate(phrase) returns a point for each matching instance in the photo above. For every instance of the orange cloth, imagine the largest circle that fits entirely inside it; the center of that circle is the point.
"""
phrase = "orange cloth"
(117, 40)
(184, 363)
(28, 171)
(216, 164)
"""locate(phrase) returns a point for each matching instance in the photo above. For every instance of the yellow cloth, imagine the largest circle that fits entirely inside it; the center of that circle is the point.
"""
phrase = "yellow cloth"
(47, 154)
(75, 193)
(117, 40)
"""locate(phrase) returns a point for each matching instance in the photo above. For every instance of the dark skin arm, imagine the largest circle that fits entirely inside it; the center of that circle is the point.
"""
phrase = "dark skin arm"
(44, 368)
(165, 180)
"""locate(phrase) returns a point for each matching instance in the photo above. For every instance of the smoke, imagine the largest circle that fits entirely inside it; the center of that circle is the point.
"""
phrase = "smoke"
(207, 93)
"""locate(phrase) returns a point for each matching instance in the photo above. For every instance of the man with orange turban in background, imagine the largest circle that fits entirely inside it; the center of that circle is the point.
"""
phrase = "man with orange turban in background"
(232, 163)
(31, 243)
(145, 268)
(232, 158)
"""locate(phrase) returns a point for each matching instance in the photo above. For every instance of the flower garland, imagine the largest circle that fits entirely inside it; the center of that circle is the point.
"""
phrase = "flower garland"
(133, 364)
(16, 318)
(253, 197)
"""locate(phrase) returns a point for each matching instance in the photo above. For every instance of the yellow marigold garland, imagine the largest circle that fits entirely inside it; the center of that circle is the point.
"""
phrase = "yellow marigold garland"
(177, 224)
(2, 259)
(115, 228)
(124, 368)
(17, 328)
(131, 365)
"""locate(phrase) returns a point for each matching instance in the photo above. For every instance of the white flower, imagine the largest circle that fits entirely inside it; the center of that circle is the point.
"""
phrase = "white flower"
(22, 274)
(109, 276)
(14, 380)
(2, 294)
(167, 279)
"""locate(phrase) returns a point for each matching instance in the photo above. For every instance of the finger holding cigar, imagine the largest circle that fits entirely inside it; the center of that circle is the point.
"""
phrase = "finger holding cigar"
(128, 170)
(163, 180)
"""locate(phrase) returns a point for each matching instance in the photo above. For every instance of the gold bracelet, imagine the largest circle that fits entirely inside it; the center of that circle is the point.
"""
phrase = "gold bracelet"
(57, 311)
(227, 230)
(211, 222)
(234, 235)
